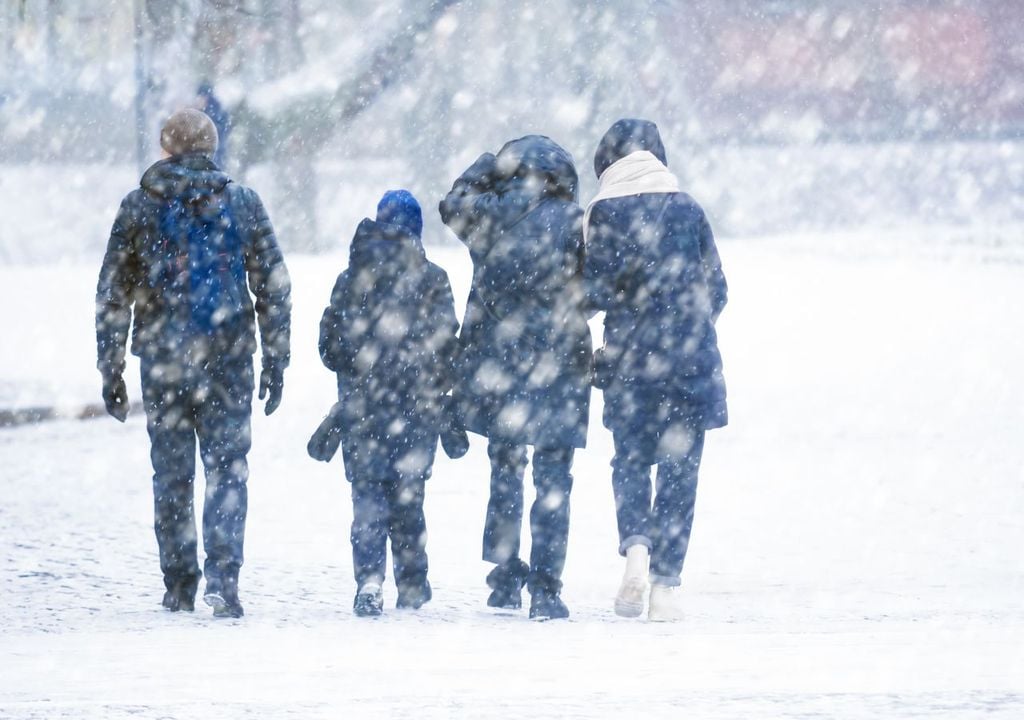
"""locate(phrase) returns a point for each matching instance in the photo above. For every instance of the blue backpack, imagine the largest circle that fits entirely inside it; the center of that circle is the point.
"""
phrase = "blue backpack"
(215, 281)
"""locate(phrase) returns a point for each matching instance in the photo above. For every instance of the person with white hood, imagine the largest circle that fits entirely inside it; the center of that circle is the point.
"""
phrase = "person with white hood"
(652, 266)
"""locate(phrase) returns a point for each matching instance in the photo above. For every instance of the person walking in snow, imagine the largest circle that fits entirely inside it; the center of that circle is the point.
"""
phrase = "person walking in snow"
(653, 268)
(390, 334)
(523, 375)
(182, 248)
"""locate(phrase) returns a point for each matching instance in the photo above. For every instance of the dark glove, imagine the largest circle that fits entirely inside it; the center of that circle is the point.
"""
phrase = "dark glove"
(604, 370)
(483, 172)
(271, 387)
(115, 396)
(324, 443)
(454, 439)
(455, 443)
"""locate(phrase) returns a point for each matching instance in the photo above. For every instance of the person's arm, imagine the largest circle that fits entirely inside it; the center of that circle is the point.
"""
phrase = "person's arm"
(482, 198)
(454, 439)
(602, 262)
(334, 351)
(718, 289)
(271, 285)
(447, 331)
(466, 204)
(114, 297)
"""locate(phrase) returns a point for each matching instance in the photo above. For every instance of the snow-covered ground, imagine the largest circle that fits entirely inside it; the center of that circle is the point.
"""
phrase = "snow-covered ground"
(856, 552)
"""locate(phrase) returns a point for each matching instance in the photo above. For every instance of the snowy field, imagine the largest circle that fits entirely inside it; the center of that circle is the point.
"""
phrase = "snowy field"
(856, 551)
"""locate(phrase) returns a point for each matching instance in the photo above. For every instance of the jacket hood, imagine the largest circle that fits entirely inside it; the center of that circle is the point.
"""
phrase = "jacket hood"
(184, 177)
(539, 160)
(628, 136)
(383, 245)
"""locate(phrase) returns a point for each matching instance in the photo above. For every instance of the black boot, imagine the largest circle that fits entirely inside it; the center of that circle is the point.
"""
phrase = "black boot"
(369, 601)
(546, 605)
(414, 596)
(506, 581)
(222, 596)
(181, 594)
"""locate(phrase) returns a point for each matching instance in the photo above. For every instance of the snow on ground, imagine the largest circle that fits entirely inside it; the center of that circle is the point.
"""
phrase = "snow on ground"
(856, 551)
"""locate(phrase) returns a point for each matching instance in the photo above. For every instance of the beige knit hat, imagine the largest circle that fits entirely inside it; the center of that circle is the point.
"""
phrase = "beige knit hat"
(189, 131)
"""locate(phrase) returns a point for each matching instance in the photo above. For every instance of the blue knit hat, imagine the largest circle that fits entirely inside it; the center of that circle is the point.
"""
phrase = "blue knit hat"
(399, 207)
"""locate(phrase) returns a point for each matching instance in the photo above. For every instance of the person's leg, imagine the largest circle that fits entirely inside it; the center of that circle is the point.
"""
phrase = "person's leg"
(631, 484)
(673, 520)
(368, 472)
(408, 531)
(223, 401)
(369, 533)
(503, 525)
(504, 522)
(673, 513)
(170, 424)
(549, 529)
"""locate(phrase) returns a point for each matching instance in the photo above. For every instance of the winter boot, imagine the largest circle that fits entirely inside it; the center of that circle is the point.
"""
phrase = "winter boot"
(181, 595)
(222, 596)
(414, 596)
(369, 600)
(630, 600)
(506, 581)
(546, 605)
(665, 604)
(177, 600)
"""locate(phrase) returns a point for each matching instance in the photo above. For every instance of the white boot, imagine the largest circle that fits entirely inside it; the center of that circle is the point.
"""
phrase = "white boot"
(630, 600)
(666, 604)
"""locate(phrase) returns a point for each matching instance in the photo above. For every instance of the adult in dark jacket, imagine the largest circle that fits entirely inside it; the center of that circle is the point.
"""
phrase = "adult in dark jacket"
(652, 266)
(181, 251)
(389, 333)
(523, 373)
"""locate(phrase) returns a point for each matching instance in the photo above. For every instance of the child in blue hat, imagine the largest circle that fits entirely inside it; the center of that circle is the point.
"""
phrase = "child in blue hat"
(389, 334)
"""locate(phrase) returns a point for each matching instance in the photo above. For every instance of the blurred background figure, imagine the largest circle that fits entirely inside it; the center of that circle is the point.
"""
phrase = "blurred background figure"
(207, 101)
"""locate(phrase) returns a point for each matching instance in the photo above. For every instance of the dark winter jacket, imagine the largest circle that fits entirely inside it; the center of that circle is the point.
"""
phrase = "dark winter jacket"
(389, 333)
(182, 249)
(653, 267)
(523, 372)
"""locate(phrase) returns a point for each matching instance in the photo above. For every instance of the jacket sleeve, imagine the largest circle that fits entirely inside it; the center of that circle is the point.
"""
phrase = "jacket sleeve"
(602, 264)
(446, 331)
(471, 201)
(114, 293)
(718, 289)
(335, 350)
(270, 284)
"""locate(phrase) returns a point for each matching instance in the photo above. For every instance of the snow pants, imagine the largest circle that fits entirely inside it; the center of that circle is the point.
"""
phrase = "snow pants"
(388, 482)
(212, 402)
(664, 525)
(549, 515)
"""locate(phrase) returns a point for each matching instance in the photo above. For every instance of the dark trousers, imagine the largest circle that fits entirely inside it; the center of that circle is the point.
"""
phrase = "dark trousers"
(212, 402)
(389, 509)
(664, 525)
(388, 477)
(549, 516)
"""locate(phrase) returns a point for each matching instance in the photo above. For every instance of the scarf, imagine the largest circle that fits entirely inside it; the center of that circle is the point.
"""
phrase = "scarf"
(636, 174)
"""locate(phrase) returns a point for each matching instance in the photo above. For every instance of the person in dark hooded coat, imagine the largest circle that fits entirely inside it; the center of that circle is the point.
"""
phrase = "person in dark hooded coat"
(390, 333)
(523, 374)
(181, 251)
(653, 268)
